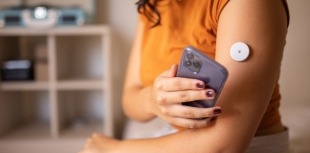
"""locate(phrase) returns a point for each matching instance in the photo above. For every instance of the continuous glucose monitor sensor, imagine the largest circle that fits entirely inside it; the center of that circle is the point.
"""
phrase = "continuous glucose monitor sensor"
(239, 51)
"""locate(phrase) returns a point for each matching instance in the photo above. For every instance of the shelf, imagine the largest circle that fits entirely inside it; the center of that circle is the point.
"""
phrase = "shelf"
(59, 145)
(81, 131)
(86, 58)
(24, 86)
(80, 113)
(84, 30)
(80, 85)
(41, 131)
(71, 102)
(31, 131)
(60, 85)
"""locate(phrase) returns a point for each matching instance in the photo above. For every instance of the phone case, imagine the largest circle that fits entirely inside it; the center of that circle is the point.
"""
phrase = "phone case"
(196, 65)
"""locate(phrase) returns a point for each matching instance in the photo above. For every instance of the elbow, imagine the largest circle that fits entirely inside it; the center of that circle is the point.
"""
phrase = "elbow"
(131, 112)
(137, 118)
(126, 108)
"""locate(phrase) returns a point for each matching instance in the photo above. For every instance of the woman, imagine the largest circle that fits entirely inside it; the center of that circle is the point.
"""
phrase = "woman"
(250, 97)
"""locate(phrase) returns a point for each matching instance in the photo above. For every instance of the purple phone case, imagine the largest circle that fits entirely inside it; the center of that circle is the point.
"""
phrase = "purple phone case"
(196, 65)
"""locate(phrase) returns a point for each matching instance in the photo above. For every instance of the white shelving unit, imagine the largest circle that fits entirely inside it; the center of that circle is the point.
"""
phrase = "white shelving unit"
(57, 115)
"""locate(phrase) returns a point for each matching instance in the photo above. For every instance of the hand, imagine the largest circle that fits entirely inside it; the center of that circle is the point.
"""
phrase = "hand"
(168, 94)
(99, 143)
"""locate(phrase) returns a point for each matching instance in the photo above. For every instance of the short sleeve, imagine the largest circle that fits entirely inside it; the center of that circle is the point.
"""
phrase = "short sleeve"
(214, 10)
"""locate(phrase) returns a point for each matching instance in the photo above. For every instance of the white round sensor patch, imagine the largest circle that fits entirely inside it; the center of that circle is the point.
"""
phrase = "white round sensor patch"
(239, 51)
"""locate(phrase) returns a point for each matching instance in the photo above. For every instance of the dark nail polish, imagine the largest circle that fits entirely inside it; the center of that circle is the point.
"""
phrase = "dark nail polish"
(200, 85)
(210, 93)
(217, 111)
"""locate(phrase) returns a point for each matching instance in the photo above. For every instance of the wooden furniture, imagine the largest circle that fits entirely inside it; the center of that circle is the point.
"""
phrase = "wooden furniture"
(58, 114)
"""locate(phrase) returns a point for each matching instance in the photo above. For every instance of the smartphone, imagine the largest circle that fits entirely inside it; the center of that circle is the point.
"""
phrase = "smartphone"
(196, 65)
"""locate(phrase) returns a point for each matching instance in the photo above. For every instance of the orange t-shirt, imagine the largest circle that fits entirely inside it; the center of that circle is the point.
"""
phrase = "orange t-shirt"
(183, 23)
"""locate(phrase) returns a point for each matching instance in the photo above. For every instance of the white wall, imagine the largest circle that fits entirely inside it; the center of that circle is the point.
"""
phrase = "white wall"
(122, 17)
(294, 79)
(296, 64)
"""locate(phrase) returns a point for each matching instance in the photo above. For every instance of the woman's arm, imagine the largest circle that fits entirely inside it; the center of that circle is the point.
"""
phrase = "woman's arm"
(262, 25)
(164, 97)
(135, 95)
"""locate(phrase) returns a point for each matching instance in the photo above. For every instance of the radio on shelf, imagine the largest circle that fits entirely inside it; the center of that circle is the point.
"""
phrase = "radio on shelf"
(42, 16)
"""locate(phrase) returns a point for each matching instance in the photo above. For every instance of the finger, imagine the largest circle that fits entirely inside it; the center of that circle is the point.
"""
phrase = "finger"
(190, 123)
(165, 74)
(178, 84)
(171, 72)
(192, 112)
(164, 98)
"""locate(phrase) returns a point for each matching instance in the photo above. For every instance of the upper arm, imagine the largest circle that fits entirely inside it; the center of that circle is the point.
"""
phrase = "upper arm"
(262, 25)
(133, 85)
(133, 67)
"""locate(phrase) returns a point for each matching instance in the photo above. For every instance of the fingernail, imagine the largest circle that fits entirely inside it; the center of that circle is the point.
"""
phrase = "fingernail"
(210, 93)
(212, 119)
(200, 85)
(217, 111)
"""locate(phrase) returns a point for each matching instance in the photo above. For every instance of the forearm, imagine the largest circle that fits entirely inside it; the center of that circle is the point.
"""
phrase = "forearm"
(135, 95)
(135, 103)
(207, 140)
(170, 144)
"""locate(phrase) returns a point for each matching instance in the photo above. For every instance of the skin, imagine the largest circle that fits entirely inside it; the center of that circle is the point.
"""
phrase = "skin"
(262, 25)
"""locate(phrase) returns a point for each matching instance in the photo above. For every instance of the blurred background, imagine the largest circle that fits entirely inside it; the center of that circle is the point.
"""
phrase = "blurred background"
(63, 65)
